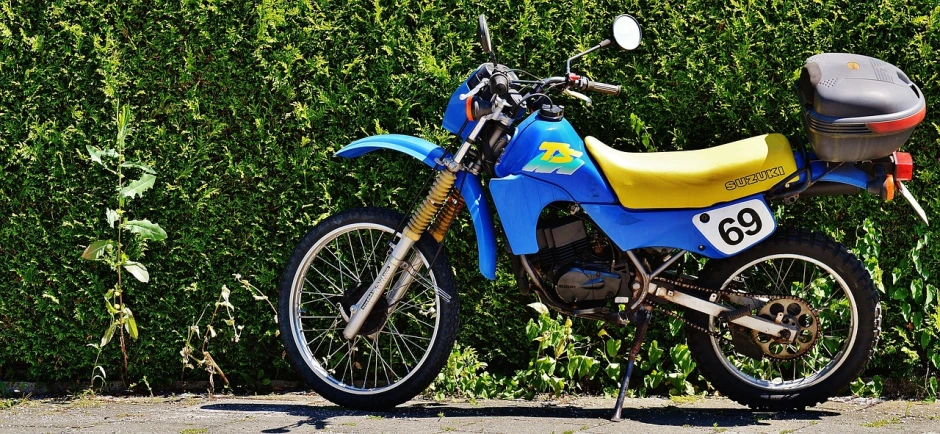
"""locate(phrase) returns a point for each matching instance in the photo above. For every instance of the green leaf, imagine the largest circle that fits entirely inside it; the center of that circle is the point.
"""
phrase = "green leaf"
(94, 250)
(539, 307)
(111, 309)
(931, 292)
(96, 154)
(137, 270)
(655, 353)
(108, 334)
(139, 165)
(146, 229)
(138, 187)
(112, 217)
(130, 323)
(857, 387)
(906, 310)
(917, 286)
(613, 346)
(613, 371)
(924, 339)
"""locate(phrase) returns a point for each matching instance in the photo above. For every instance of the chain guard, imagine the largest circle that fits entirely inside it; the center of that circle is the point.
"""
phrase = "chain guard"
(747, 341)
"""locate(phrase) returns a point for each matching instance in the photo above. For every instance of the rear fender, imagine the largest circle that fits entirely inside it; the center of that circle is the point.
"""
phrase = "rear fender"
(470, 186)
(845, 174)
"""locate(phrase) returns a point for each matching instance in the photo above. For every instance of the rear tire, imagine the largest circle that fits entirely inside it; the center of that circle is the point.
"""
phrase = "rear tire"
(833, 282)
(330, 269)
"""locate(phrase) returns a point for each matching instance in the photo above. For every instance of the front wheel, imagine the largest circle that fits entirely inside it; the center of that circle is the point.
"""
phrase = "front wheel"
(400, 348)
(809, 281)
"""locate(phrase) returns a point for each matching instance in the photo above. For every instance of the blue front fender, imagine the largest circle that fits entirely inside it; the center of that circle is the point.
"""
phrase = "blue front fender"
(470, 185)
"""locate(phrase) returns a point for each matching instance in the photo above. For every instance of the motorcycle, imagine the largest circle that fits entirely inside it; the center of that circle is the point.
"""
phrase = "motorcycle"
(776, 319)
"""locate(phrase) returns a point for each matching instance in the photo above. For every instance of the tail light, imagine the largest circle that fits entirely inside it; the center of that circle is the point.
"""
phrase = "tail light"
(903, 166)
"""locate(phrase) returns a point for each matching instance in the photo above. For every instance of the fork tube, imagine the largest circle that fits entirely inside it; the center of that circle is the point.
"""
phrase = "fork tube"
(412, 268)
(420, 220)
(359, 312)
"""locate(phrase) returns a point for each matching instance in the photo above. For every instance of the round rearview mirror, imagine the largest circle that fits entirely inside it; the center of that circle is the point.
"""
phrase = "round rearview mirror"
(485, 35)
(627, 32)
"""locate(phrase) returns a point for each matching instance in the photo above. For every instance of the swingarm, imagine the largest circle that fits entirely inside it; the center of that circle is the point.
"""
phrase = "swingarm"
(742, 316)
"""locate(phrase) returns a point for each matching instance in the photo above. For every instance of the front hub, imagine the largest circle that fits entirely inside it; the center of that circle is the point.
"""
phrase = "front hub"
(376, 318)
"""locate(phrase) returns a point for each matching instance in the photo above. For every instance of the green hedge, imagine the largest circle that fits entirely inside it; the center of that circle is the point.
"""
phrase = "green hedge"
(240, 106)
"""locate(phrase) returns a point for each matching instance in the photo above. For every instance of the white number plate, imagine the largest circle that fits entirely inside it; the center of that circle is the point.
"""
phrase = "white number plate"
(734, 228)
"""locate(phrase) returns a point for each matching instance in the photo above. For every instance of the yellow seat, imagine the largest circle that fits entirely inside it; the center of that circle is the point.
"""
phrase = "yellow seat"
(695, 179)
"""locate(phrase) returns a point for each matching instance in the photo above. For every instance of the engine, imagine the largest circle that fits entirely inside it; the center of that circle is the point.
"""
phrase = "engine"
(583, 267)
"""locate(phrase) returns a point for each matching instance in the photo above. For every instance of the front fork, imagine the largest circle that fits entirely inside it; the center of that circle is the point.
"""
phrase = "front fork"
(420, 220)
(399, 258)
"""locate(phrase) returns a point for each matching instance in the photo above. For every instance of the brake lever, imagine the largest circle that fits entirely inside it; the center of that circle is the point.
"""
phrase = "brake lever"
(476, 89)
(587, 100)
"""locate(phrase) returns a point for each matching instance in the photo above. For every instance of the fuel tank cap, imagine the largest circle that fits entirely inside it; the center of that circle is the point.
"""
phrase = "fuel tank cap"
(550, 112)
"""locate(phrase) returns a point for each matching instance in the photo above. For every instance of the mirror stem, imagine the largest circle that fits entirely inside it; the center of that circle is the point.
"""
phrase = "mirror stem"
(603, 44)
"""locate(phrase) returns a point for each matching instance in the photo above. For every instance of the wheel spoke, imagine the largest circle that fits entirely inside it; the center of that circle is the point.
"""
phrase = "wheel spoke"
(352, 254)
(395, 330)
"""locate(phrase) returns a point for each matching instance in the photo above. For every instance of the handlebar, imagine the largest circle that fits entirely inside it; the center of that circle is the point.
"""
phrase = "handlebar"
(583, 83)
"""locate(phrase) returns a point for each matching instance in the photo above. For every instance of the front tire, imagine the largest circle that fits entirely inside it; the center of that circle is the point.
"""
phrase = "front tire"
(831, 280)
(330, 269)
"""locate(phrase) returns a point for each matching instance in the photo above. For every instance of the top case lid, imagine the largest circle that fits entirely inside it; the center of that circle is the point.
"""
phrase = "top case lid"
(843, 85)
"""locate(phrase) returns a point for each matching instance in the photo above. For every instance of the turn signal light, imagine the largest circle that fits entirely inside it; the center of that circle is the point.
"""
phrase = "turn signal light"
(889, 187)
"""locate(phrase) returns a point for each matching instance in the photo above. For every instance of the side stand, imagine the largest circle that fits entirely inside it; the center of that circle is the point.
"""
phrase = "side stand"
(642, 322)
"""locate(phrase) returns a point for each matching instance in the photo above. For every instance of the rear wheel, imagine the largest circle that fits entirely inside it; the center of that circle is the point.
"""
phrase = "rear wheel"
(397, 354)
(811, 282)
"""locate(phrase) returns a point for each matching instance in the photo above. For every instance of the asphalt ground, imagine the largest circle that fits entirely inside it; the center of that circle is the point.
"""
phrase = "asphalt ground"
(297, 412)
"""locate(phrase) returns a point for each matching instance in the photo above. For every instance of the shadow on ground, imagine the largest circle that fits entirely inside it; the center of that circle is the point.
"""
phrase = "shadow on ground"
(319, 416)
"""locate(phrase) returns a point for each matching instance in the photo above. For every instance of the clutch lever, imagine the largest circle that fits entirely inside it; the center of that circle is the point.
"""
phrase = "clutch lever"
(587, 100)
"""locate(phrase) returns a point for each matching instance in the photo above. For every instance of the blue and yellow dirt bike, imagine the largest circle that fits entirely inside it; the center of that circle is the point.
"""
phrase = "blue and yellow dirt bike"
(776, 319)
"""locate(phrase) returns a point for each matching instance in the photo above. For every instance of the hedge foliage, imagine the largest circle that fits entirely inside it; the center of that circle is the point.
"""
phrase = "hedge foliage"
(241, 104)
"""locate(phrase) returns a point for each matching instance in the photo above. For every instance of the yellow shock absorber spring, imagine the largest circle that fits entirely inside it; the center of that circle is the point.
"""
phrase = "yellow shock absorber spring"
(432, 203)
(452, 206)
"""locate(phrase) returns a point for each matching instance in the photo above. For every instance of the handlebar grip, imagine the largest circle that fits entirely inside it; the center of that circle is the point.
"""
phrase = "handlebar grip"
(609, 89)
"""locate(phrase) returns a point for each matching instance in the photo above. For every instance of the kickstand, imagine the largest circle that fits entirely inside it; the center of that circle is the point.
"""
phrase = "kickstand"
(642, 323)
